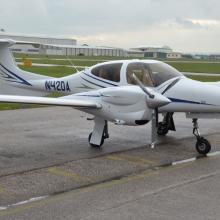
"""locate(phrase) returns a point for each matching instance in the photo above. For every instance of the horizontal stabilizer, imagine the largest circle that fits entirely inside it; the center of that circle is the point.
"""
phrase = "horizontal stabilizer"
(10, 42)
(49, 101)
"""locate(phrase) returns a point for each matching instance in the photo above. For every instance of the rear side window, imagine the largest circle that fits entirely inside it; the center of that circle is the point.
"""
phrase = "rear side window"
(108, 71)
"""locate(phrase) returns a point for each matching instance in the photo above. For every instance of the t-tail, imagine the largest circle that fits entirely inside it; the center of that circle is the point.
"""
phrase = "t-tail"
(15, 81)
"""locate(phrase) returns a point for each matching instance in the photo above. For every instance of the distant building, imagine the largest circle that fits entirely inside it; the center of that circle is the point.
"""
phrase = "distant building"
(174, 55)
(83, 50)
(60, 46)
(214, 56)
(135, 53)
(38, 39)
(157, 52)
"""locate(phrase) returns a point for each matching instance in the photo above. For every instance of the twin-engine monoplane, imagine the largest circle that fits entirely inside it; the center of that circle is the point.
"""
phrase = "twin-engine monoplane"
(124, 92)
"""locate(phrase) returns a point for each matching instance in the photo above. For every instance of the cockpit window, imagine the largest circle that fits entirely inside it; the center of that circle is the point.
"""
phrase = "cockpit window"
(142, 71)
(161, 72)
(108, 71)
(151, 74)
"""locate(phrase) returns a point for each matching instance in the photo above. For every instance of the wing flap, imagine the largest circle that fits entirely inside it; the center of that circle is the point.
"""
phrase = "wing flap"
(50, 101)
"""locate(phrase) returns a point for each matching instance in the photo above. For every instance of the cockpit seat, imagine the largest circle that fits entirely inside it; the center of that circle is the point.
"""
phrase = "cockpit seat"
(103, 73)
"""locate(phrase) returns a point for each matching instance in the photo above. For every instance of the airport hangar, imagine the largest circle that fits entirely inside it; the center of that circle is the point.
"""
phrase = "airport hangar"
(61, 46)
(69, 47)
(164, 52)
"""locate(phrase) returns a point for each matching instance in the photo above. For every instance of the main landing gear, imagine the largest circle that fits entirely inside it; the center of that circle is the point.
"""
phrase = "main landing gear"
(161, 128)
(100, 133)
(166, 125)
(202, 145)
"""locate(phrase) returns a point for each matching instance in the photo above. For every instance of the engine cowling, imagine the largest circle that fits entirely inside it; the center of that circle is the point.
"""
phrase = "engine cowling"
(125, 105)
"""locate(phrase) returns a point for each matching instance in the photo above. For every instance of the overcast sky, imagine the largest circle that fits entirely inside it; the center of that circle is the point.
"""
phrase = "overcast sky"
(186, 26)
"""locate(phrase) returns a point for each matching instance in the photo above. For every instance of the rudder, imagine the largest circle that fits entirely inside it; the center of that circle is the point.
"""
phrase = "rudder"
(13, 80)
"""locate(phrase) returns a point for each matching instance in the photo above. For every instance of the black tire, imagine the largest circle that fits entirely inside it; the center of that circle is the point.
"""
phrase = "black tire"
(162, 129)
(94, 145)
(203, 146)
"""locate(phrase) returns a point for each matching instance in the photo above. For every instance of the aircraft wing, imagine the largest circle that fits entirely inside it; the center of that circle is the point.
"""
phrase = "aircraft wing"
(50, 101)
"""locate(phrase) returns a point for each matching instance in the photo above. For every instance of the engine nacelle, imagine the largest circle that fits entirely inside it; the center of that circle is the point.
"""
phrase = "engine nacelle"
(125, 105)
(128, 105)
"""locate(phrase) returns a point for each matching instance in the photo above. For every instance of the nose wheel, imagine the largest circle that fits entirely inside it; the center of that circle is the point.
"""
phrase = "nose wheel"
(162, 129)
(202, 145)
(166, 125)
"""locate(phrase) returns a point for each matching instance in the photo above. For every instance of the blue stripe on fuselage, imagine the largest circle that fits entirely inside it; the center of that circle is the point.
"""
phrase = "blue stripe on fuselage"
(14, 76)
(187, 101)
(92, 83)
(96, 78)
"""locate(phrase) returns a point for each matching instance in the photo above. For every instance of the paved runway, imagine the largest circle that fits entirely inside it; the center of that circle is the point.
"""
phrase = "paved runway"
(48, 170)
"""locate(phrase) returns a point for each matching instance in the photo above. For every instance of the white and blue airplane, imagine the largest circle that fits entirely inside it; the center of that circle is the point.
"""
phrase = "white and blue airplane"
(124, 92)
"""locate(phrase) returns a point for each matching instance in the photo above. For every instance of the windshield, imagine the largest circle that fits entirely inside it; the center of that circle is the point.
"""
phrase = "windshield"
(151, 74)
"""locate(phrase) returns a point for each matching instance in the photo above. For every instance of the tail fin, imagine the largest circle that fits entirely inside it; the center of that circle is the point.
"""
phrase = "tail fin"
(14, 81)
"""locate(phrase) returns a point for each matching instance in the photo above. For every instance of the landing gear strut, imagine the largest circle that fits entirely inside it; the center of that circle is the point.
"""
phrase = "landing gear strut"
(166, 125)
(202, 145)
(104, 135)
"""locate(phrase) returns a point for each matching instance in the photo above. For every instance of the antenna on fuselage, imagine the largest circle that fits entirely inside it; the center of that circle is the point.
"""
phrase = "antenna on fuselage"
(72, 64)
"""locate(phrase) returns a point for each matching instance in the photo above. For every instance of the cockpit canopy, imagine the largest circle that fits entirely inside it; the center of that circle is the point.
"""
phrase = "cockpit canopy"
(151, 74)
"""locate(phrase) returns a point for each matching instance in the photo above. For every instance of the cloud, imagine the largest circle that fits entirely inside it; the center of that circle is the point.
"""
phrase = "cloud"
(204, 22)
(117, 22)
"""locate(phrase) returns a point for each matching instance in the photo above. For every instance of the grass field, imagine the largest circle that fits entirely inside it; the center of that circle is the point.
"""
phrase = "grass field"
(181, 66)
(102, 58)
(196, 67)
(54, 71)
(205, 78)
(61, 71)
(201, 66)
(83, 63)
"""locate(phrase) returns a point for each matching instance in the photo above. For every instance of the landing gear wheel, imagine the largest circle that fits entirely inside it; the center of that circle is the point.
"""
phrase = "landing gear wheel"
(94, 145)
(162, 129)
(203, 146)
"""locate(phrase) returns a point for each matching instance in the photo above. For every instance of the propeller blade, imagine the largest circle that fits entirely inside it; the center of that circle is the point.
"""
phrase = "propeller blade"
(154, 99)
(142, 86)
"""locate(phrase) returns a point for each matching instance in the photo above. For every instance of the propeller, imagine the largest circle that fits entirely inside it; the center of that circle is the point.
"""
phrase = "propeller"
(154, 99)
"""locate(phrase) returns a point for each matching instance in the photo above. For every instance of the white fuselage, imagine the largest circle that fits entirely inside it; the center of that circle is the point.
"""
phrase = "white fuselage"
(127, 107)
(121, 103)
(193, 96)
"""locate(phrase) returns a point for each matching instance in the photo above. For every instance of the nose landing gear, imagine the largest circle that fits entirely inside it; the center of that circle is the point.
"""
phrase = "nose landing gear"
(101, 132)
(202, 145)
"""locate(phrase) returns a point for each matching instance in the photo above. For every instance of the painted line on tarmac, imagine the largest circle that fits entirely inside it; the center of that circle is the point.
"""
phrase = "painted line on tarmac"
(183, 161)
(131, 159)
(1, 190)
(136, 159)
(68, 161)
(216, 153)
(60, 172)
(112, 182)
(34, 199)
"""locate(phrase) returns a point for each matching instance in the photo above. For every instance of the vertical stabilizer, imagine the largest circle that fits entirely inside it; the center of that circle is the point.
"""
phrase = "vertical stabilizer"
(14, 81)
